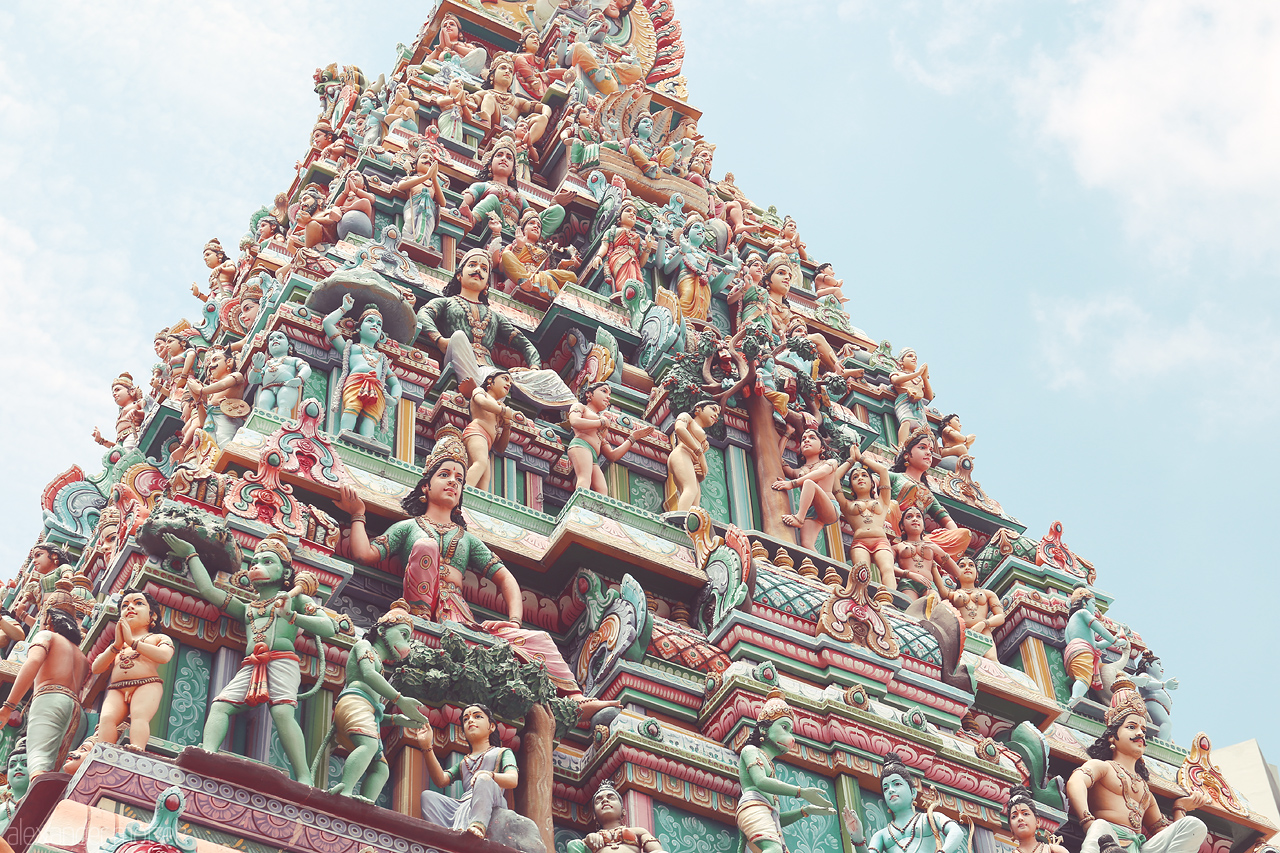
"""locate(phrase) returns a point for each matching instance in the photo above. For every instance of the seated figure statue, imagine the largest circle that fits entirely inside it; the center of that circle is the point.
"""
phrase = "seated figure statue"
(486, 772)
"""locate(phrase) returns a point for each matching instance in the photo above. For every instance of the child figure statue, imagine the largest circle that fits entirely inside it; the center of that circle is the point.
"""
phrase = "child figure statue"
(760, 819)
(613, 836)
(134, 658)
(358, 715)
(868, 513)
(271, 672)
(815, 478)
(687, 462)
(1023, 822)
(490, 426)
(370, 389)
(486, 772)
(918, 556)
(281, 376)
(129, 398)
(591, 437)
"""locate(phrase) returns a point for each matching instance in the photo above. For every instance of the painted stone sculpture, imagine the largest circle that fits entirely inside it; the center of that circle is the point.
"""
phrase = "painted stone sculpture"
(18, 782)
(424, 196)
(1086, 637)
(918, 556)
(527, 263)
(485, 772)
(760, 818)
(500, 107)
(612, 835)
(868, 513)
(1021, 813)
(909, 830)
(590, 422)
(462, 326)
(954, 442)
(218, 399)
(281, 375)
(436, 549)
(57, 669)
(490, 426)
(909, 476)
(687, 462)
(623, 250)
(370, 390)
(1154, 687)
(980, 609)
(129, 398)
(358, 715)
(271, 672)
(1111, 796)
(134, 658)
(815, 478)
(914, 394)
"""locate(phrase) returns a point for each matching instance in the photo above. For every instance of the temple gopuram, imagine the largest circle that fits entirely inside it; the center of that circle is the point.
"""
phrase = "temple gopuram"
(517, 483)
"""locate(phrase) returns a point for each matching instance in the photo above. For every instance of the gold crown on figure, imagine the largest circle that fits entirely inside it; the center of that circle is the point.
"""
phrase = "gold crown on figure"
(775, 707)
(1125, 700)
(278, 544)
(398, 614)
(370, 310)
(448, 448)
(1079, 594)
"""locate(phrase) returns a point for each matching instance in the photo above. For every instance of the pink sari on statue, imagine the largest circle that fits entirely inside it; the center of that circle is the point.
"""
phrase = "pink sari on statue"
(433, 597)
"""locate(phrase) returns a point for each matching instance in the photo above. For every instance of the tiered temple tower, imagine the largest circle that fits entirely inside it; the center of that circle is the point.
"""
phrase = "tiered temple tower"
(508, 256)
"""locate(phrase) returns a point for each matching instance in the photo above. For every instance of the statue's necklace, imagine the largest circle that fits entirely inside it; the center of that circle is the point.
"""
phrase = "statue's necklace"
(908, 832)
(1139, 789)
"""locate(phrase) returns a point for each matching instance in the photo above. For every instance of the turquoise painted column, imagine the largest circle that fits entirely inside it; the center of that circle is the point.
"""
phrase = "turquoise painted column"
(739, 482)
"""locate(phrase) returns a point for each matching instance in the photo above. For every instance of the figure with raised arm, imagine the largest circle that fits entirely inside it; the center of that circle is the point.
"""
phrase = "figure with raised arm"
(281, 376)
(612, 835)
(908, 830)
(500, 107)
(437, 550)
(531, 70)
(909, 476)
(815, 478)
(1154, 687)
(271, 672)
(490, 426)
(57, 669)
(1110, 793)
(134, 658)
(455, 112)
(451, 45)
(760, 818)
(623, 250)
(424, 196)
(370, 388)
(980, 609)
(219, 399)
(358, 714)
(868, 513)
(1086, 637)
(786, 323)
(687, 462)
(486, 771)
(222, 276)
(527, 263)
(591, 422)
(129, 417)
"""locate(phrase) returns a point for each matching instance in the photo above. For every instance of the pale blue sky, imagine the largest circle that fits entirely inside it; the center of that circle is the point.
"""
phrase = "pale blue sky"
(1068, 209)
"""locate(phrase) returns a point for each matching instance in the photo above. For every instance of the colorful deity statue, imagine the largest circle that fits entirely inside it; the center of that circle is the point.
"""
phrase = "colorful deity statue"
(218, 400)
(222, 276)
(461, 325)
(954, 442)
(760, 818)
(134, 658)
(496, 191)
(358, 714)
(690, 264)
(623, 250)
(918, 556)
(1111, 795)
(644, 151)
(57, 669)
(909, 477)
(486, 772)
(785, 323)
(868, 513)
(526, 262)
(612, 835)
(908, 830)
(980, 609)
(590, 423)
(18, 781)
(1154, 688)
(1021, 812)
(914, 394)
(452, 46)
(370, 388)
(281, 375)
(581, 137)
(501, 108)
(129, 418)
(455, 112)
(436, 550)
(815, 478)
(424, 196)
(825, 283)
(1086, 637)
(687, 462)
(48, 563)
(272, 671)
(352, 208)
(599, 71)
(532, 72)
(490, 426)
(728, 204)
(402, 109)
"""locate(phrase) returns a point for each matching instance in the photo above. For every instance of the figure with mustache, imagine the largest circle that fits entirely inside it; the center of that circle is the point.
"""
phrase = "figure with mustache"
(1111, 796)
(358, 715)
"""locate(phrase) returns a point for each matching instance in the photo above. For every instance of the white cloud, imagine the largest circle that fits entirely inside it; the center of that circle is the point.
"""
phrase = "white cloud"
(1173, 107)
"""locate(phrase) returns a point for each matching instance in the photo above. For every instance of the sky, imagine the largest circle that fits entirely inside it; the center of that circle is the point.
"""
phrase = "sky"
(1067, 209)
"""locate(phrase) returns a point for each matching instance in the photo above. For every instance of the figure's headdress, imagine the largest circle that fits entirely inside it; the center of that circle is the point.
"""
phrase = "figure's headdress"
(125, 379)
(216, 245)
(1079, 594)
(528, 215)
(449, 448)
(370, 310)
(252, 291)
(324, 126)
(777, 259)
(1020, 795)
(398, 614)
(775, 708)
(1125, 700)
(894, 766)
(905, 352)
(278, 544)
